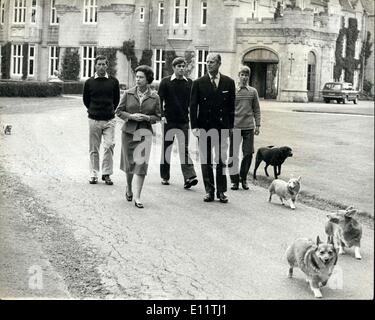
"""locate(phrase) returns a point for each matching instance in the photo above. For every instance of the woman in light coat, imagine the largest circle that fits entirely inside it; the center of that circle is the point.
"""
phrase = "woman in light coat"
(139, 108)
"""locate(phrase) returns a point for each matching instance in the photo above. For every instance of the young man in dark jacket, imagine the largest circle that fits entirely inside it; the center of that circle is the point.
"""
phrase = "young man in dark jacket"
(174, 93)
(101, 96)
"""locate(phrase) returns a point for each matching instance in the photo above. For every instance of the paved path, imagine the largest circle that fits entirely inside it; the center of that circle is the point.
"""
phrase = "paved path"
(177, 247)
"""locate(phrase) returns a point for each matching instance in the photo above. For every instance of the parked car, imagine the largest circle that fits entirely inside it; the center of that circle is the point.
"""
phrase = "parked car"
(340, 91)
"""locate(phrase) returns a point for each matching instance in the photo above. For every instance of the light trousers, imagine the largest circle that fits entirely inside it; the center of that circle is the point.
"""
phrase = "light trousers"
(99, 129)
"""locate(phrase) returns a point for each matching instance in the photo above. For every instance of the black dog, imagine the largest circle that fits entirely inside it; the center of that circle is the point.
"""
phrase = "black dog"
(272, 156)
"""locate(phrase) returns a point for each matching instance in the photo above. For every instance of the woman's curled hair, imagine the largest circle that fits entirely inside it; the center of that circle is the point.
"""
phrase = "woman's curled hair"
(147, 70)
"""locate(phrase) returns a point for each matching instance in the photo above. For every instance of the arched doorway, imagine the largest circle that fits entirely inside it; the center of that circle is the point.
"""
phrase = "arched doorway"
(311, 73)
(264, 71)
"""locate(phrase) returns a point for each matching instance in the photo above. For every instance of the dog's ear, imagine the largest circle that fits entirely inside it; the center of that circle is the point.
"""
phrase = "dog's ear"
(350, 211)
(299, 179)
(318, 240)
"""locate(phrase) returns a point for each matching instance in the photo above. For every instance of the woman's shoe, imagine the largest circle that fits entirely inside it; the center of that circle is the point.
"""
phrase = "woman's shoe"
(128, 197)
(138, 204)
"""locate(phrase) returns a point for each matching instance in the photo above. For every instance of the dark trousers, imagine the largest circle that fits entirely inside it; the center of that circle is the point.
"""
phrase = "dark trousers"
(207, 163)
(170, 132)
(247, 139)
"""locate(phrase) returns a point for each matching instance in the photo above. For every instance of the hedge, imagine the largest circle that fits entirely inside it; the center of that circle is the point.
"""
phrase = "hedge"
(29, 89)
(72, 87)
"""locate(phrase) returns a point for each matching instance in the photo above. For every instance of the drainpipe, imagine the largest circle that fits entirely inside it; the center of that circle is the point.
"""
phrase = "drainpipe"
(149, 24)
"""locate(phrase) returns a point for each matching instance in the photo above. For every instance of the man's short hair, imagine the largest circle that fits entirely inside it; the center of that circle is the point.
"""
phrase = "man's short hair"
(178, 60)
(217, 56)
(101, 57)
(244, 69)
(147, 70)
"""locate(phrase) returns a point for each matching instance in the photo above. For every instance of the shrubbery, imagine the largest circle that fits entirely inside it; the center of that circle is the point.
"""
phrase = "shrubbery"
(29, 89)
(72, 87)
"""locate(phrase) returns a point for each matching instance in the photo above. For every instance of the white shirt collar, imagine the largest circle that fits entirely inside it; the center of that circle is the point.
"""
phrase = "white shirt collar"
(216, 77)
(97, 76)
(174, 77)
(239, 87)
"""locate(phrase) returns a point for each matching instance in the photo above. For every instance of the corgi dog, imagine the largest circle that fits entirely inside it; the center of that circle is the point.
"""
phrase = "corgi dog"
(316, 260)
(345, 230)
(285, 190)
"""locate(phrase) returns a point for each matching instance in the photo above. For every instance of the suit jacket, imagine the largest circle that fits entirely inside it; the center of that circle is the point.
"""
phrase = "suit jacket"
(130, 104)
(210, 108)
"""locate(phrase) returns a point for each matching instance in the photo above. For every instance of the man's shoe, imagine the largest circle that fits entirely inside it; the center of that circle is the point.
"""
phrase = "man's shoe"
(222, 197)
(190, 183)
(244, 185)
(234, 186)
(107, 179)
(208, 197)
(93, 180)
(165, 182)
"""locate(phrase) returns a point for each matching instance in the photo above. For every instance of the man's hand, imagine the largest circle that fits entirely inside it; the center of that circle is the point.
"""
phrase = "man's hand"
(256, 132)
(164, 119)
(196, 132)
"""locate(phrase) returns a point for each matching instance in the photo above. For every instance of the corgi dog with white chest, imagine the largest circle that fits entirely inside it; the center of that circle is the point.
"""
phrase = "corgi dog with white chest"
(287, 191)
(345, 230)
(316, 261)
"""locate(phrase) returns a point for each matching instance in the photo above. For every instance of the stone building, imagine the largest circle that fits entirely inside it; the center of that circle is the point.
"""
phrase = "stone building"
(289, 44)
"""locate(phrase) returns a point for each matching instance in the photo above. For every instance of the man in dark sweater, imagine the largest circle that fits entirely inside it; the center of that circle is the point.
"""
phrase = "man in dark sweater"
(101, 95)
(174, 93)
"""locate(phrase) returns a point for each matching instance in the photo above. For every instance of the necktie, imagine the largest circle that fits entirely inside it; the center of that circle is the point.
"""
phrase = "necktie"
(214, 83)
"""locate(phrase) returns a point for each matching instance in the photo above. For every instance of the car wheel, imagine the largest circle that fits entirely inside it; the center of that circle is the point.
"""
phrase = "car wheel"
(355, 101)
(326, 100)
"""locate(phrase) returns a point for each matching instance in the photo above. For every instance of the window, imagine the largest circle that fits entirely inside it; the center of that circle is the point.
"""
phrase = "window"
(54, 18)
(53, 60)
(159, 63)
(31, 65)
(357, 48)
(33, 11)
(203, 13)
(186, 12)
(142, 14)
(2, 11)
(161, 14)
(90, 12)
(19, 11)
(176, 11)
(17, 58)
(201, 63)
(88, 61)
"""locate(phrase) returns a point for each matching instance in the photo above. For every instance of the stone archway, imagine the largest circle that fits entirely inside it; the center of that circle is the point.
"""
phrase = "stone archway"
(264, 71)
(311, 75)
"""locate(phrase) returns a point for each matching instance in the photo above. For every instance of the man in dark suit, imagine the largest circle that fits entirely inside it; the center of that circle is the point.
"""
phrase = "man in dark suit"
(212, 117)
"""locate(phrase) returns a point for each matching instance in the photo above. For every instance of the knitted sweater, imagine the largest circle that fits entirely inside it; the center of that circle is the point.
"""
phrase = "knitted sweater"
(101, 97)
(247, 108)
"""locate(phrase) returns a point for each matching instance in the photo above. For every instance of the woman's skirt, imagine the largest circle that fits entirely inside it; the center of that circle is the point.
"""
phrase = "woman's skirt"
(135, 155)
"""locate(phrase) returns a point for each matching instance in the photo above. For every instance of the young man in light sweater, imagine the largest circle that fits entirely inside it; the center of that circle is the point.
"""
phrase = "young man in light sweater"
(246, 124)
(101, 95)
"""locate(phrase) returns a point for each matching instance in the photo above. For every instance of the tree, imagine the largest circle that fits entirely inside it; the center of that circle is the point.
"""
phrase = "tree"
(71, 64)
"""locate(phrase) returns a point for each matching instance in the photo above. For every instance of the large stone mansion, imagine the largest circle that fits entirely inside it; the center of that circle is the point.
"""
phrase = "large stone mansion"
(290, 45)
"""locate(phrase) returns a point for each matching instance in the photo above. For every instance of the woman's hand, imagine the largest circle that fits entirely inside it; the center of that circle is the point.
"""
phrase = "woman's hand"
(138, 117)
